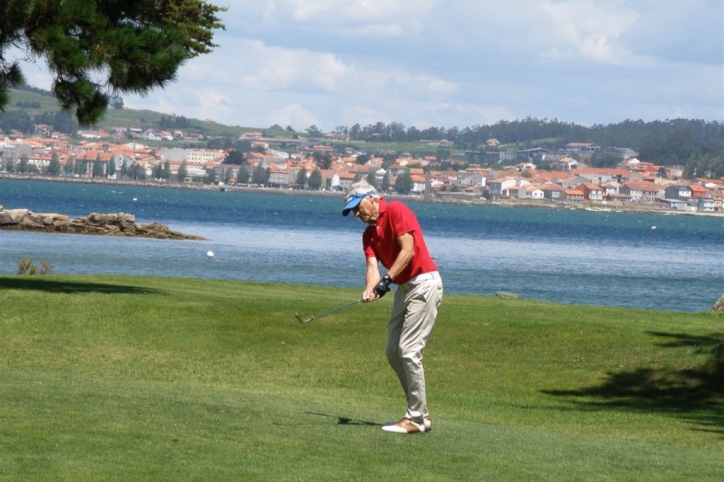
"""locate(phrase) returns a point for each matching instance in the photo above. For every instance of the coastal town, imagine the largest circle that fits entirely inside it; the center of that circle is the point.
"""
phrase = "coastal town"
(320, 164)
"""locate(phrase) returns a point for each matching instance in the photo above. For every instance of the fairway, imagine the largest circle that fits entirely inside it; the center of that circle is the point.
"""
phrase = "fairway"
(129, 378)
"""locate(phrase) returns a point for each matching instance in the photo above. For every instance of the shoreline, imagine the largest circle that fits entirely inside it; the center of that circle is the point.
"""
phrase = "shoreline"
(443, 198)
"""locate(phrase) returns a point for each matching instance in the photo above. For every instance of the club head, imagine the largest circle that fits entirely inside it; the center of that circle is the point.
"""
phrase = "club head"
(300, 320)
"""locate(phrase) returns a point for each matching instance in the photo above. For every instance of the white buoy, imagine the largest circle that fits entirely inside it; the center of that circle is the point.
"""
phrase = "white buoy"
(135, 199)
(210, 254)
(653, 227)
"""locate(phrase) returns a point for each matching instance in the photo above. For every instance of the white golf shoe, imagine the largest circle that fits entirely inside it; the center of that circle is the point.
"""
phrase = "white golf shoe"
(404, 426)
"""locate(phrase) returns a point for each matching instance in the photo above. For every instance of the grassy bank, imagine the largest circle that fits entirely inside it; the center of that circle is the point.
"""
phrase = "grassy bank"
(119, 378)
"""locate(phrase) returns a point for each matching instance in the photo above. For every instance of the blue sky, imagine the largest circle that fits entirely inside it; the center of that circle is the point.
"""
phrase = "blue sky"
(452, 63)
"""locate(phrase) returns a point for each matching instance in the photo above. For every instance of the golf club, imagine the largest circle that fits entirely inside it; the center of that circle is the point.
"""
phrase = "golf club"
(328, 312)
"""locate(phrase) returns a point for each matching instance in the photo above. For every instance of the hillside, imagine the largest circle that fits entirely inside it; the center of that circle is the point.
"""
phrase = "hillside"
(114, 117)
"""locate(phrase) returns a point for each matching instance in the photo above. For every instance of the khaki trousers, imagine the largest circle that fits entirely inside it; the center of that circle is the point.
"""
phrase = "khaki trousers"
(411, 322)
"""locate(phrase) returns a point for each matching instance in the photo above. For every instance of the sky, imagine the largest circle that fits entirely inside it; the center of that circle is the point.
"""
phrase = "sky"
(450, 63)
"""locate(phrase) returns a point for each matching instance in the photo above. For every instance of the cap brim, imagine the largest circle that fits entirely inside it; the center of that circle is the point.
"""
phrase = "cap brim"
(351, 205)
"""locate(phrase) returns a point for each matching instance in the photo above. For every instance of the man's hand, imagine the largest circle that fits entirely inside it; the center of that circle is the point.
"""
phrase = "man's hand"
(383, 286)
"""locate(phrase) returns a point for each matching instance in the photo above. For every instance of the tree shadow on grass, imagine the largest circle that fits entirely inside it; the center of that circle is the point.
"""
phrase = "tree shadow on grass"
(694, 394)
(54, 286)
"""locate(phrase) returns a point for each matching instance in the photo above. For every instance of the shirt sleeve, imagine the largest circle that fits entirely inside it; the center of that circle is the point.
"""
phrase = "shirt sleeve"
(367, 244)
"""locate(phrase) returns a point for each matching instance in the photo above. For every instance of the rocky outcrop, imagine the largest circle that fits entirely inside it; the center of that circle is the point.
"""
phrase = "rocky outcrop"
(719, 305)
(120, 224)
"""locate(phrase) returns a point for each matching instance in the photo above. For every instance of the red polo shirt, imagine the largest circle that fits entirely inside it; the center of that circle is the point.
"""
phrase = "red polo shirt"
(380, 240)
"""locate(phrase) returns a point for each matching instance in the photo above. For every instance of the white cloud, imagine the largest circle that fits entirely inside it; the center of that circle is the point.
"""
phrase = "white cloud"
(368, 17)
(246, 82)
(363, 115)
(373, 30)
(291, 115)
(589, 29)
(275, 68)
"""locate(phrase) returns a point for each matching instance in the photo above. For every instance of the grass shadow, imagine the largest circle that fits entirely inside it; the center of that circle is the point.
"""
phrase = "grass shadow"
(696, 394)
(345, 420)
(54, 286)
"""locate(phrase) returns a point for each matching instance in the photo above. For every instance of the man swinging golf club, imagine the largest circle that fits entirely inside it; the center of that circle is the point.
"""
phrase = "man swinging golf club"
(393, 238)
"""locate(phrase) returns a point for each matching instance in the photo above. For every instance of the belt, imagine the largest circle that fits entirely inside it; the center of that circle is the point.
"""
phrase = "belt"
(425, 277)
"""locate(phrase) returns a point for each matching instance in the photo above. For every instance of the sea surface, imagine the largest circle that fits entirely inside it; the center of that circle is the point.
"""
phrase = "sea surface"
(635, 260)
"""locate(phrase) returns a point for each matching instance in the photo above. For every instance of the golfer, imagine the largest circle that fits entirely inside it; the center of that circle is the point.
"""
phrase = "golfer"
(393, 238)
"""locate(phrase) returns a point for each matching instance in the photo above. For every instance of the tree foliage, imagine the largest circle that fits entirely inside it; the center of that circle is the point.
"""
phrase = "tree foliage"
(403, 183)
(95, 50)
(54, 165)
(235, 157)
(260, 175)
(315, 180)
(182, 172)
(302, 178)
(242, 177)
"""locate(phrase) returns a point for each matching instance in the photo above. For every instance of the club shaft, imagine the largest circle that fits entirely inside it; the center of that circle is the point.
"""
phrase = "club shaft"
(340, 308)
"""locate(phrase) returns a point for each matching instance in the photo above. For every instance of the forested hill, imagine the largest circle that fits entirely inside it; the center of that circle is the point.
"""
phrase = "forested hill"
(663, 142)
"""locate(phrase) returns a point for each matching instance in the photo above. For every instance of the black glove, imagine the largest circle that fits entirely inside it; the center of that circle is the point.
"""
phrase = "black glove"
(383, 286)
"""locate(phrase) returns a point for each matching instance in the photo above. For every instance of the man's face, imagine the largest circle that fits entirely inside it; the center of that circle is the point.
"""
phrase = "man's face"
(366, 210)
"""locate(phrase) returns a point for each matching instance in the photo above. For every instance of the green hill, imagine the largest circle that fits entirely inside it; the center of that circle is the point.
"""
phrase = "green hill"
(35, 103)
(121, 378)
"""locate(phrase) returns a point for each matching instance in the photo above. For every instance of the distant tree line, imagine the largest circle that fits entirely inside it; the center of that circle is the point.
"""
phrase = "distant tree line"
(658, 138)
(669, 142)
(174, 122)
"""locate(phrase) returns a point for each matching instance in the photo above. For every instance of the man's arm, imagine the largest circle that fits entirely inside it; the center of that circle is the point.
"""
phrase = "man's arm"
(407, 251)
(371, 279)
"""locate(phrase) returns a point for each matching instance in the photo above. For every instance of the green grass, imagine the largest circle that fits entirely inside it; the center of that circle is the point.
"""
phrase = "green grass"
(121, 378)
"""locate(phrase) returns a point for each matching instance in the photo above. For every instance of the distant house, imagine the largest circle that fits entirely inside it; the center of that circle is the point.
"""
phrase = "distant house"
(601, 175)
(418, 184)
(470, 178)
(674, 204)
(641, 191)
(340, 181)
(279, 178)
(706, 203)
(587, 147)
(675, 172)
(533, 192)
(677, 191)
(610, 188)
(553, 192)
(493, 142)
(591, 192)
(536, 152)
(500, 188)
(574, 195)
(697, 190)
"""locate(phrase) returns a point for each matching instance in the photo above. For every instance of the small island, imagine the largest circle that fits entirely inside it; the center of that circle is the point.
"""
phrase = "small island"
(119, 224)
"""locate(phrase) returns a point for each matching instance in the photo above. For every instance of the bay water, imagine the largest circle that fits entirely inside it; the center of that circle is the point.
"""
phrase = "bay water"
(605, 258)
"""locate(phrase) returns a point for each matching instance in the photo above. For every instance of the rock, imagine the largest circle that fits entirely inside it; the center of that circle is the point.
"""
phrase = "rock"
(12, 216)
(719, 305)
(120, 224)
(5, 218)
